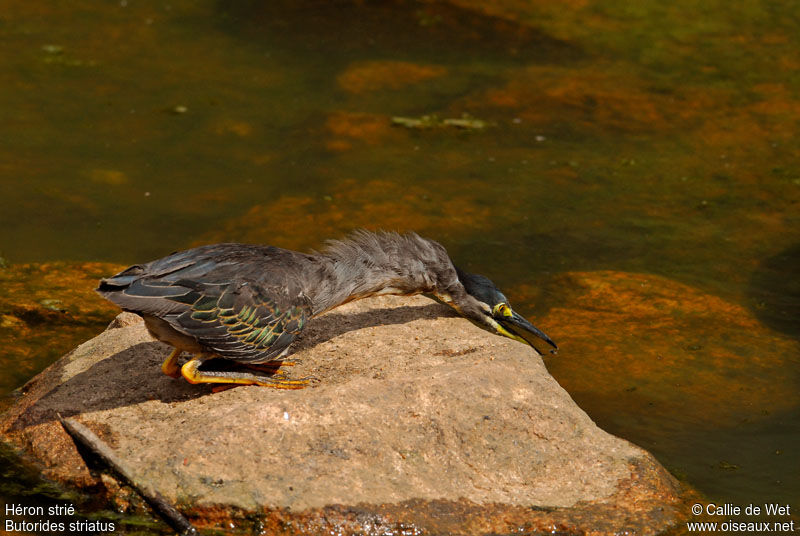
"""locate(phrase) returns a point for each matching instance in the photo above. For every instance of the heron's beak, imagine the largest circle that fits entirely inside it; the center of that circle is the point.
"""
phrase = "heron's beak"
(520, 329)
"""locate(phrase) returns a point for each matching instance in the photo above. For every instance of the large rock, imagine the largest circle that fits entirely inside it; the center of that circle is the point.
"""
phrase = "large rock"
(418, 420)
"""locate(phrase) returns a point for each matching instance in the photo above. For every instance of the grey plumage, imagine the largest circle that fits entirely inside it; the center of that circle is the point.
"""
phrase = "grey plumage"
(248, 303)
(368, 263)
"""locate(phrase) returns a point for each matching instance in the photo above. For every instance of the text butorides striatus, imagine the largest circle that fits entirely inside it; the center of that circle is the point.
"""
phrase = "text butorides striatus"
(247, 303)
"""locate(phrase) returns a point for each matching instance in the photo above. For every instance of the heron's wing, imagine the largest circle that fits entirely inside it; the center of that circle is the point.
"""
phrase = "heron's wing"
(145, 294)
(212, 294)
(243, 321)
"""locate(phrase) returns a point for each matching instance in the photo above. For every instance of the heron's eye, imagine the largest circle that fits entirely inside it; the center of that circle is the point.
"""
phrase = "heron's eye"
(501, 309)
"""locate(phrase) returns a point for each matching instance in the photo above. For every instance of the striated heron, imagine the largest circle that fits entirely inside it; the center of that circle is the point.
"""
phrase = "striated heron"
(247, 303)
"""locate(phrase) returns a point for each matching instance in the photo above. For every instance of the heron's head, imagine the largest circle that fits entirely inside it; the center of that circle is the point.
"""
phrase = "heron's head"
(487, 307)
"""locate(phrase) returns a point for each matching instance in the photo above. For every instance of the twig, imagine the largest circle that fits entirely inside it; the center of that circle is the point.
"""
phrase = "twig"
(85, 437)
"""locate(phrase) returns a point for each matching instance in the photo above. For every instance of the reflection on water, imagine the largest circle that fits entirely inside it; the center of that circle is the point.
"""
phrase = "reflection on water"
(656, 139)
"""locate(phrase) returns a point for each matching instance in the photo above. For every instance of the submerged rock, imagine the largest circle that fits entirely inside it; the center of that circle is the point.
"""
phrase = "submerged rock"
(367, 76)
(456, 208)
(46, 309)
(651, 342)
(349, 128)
(418, 422)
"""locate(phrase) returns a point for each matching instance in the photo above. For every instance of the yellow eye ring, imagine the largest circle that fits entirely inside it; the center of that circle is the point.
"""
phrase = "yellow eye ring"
(501, 309)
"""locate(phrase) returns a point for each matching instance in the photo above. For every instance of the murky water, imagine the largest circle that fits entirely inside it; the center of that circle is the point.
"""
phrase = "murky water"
(654, 139)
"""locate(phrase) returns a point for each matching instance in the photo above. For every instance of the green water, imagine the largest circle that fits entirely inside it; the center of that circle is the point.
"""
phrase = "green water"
(659, 138)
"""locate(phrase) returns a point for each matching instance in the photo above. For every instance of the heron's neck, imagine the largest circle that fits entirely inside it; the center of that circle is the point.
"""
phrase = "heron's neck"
(371, 264)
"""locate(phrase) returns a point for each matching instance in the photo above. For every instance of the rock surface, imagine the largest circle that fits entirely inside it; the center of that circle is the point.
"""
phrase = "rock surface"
(418, 421)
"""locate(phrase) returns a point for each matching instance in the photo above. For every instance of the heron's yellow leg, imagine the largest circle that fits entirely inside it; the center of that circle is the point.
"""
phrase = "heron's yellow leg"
(170, 365)
(191, 371)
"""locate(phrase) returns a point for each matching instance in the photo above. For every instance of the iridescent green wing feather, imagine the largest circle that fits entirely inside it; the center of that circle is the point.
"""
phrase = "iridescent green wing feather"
(243, 321)
(239, 301)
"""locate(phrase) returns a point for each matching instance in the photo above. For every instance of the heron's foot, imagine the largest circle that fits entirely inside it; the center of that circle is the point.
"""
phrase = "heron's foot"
(170, 365)
(191, 371)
